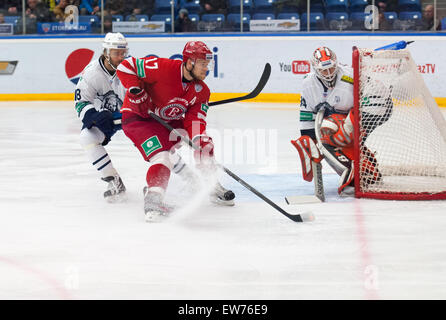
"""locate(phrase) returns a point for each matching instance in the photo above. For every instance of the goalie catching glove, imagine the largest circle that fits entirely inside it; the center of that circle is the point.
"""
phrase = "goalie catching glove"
(337, 130)
(308, 152)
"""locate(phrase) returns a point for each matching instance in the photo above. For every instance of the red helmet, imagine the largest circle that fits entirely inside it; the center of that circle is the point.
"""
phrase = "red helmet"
(196, 50)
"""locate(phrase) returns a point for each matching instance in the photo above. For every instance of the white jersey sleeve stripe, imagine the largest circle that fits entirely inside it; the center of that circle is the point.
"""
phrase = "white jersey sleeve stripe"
(130, 61)
(125, 69)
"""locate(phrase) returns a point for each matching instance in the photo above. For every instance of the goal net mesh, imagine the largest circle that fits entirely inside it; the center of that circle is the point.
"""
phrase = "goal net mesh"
(402, 132)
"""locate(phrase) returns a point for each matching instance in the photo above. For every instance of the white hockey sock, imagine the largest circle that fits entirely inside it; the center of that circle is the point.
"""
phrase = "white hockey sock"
(101, 161)
(91, 141)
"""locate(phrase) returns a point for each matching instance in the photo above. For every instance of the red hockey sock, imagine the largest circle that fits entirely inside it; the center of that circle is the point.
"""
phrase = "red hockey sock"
(158, 176)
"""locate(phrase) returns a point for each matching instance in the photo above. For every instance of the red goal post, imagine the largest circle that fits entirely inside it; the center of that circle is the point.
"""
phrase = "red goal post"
(400, 133)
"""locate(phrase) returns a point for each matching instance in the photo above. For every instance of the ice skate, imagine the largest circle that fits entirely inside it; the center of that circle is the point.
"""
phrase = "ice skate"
(155, 209)
(115, 190)
(222, 196)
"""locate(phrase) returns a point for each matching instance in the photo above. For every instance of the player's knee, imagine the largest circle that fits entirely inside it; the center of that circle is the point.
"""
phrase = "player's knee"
(91, 137)
(177, 161)
(165, 158)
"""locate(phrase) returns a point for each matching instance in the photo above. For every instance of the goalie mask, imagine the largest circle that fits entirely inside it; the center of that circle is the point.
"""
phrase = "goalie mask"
(325, 64)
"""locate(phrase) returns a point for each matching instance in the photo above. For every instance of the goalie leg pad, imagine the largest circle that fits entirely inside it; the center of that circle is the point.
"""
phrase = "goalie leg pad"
(338, 158)
(308, 152)
(346, 179)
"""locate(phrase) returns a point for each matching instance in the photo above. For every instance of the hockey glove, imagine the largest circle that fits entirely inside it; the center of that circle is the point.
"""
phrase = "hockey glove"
(205, 155)
(103, 120)
(337, 131)
(139, 101)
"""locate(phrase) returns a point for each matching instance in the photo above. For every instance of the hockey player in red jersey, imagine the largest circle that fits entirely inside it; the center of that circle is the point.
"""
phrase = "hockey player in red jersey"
(174, 90)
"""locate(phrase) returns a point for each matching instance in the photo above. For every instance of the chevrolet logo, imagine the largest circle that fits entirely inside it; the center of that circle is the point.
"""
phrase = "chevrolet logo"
(151, 26)
(287, 24)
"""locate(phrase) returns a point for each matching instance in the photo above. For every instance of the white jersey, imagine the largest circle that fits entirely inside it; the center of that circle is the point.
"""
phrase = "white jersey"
(340, 97)
(98, 89)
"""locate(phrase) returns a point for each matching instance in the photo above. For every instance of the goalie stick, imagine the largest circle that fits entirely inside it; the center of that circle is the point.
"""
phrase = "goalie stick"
(295, 217)
(254, 93)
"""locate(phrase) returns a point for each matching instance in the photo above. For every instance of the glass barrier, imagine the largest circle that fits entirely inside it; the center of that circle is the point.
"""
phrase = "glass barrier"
(182, 16)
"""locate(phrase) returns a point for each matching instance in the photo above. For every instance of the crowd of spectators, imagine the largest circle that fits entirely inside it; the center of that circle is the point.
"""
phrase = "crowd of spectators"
(55, 11)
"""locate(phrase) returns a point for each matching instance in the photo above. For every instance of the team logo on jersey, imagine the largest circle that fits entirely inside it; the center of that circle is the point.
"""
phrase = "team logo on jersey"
(198, 87)
(172, 111)
(110, 101)
(76, 62)
(337, 99)
(150, 145)
(204, 108)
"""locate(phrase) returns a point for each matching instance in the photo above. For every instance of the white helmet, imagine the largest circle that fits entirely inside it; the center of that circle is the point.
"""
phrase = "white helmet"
(114, 41)
(325, 64)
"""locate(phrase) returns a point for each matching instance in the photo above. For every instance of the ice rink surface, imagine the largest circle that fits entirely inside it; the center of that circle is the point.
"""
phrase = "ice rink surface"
(60, 240)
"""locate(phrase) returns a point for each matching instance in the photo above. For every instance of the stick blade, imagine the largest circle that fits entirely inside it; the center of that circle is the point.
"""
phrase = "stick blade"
(303, 217)
(254, 93)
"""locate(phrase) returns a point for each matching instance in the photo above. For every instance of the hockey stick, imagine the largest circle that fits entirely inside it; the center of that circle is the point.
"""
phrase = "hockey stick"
(295, 217)
(254, 93)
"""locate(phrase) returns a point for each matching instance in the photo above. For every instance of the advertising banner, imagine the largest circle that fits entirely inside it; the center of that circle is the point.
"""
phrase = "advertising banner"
(274, 25)
(239, 61)
(61, 27)
(138, 26)
(6, 29)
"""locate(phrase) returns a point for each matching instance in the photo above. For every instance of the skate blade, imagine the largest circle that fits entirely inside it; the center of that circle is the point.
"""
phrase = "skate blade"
(156, 216)
(117, 198)
(347, 192)
(220, 202)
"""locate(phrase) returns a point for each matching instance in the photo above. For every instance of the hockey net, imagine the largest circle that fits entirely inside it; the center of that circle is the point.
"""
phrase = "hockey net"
(401, 149)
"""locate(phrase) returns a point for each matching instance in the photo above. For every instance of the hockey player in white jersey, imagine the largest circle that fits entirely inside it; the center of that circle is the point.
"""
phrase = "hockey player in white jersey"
(329, 87)
(98, 100)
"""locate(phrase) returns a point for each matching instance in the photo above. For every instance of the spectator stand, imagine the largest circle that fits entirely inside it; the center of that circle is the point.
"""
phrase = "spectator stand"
(235, 21)
(167, 18)
(212, 22)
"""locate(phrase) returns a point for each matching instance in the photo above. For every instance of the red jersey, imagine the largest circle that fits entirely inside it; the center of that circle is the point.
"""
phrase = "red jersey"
(163, 80)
